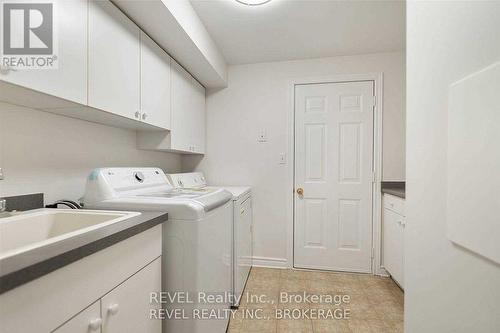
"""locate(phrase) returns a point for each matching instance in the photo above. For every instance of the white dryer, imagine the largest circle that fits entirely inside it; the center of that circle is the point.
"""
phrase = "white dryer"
(196, 240)
(242, 231)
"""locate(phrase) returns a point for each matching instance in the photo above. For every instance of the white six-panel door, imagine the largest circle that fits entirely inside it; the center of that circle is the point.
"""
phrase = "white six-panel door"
(333, 170)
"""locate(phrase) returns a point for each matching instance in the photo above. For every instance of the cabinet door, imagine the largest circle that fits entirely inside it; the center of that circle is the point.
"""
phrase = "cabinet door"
(155, 83)
(188, 112)
(127, 309)
(402, 259)
(87, 321)
(114, 60)
(182, 108)
(393, 245)
(198, 121)
(69, 80)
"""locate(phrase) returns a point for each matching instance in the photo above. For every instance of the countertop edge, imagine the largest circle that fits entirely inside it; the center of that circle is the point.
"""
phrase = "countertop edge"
(396, 192)
(394, 187)
(110, 236)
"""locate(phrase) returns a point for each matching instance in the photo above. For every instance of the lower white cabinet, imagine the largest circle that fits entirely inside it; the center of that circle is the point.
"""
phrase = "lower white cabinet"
(127, 308)
(393, 237)
(87, 321)
(124, 309)
(106, 292)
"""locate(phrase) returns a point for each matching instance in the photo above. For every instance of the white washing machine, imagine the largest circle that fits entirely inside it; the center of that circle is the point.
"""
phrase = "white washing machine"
(242, 243)
(196, 239)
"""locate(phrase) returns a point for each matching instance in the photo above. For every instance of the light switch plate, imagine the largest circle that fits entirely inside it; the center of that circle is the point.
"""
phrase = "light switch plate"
(282, 158)
(262, 135)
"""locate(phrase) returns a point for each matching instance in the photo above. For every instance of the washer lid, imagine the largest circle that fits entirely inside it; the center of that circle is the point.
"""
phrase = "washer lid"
(237, 191)
(208, 200)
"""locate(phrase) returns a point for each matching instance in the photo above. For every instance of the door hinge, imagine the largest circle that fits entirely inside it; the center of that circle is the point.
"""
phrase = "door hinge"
(373, 252)
(374, 100)
(374, 177)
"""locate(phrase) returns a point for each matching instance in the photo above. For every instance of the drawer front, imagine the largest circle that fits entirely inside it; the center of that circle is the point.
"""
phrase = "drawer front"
(395, 204)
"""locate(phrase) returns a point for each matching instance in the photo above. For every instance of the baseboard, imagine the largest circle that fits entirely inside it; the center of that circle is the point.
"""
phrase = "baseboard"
(269, 262)
(381, 272)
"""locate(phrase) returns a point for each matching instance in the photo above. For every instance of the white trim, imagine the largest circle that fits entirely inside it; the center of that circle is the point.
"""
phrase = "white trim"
(378, 79)
(269, 262)
(328, 269)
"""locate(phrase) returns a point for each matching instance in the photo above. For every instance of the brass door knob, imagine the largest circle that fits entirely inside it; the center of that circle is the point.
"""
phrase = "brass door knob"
(300, 191)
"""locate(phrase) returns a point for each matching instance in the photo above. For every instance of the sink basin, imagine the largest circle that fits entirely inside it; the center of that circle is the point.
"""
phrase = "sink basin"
(41, 227)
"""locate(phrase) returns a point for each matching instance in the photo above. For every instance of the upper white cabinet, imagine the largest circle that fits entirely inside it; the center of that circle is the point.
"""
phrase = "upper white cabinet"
(198, 132)
(188, 107)
(155, 84)
(111, 72)
(393, 237)
(114, 60)
(69, 79)
(187, 134)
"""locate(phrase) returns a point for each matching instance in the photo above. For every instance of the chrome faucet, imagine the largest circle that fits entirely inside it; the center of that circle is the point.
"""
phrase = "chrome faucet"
(3, 208)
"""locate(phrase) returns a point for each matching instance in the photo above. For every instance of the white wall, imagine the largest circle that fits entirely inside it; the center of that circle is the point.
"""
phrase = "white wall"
(448, 289)
(44, 152)
(258, 98)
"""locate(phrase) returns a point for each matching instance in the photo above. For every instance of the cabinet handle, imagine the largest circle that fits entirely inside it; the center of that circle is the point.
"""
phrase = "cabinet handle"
(95, 324)
(113, 309)
(137, 114)
(144, 116)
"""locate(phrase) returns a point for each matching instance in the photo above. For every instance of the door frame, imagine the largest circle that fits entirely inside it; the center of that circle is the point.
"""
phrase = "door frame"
(376, 226)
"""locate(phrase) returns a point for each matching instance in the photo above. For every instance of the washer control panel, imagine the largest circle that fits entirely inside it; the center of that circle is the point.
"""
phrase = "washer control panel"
(187, 180)
(129, 178)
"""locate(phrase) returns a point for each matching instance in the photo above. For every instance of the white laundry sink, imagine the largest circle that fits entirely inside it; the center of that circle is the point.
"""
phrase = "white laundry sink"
(38, 228)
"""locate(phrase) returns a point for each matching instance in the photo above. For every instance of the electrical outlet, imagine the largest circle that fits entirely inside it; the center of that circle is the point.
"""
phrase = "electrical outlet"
(262, 136)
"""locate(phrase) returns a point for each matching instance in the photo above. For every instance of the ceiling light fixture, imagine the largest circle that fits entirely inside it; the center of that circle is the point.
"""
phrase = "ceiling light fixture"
(253, 2)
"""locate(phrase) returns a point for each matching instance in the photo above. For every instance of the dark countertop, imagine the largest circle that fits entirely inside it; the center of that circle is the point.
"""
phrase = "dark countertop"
(27, 266)
(394, 188)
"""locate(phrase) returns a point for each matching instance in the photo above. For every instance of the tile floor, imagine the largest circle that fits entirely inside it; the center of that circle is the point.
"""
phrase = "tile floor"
(373, 305)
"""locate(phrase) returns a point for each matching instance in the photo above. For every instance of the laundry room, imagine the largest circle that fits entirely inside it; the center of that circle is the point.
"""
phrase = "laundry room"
(239, 166)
